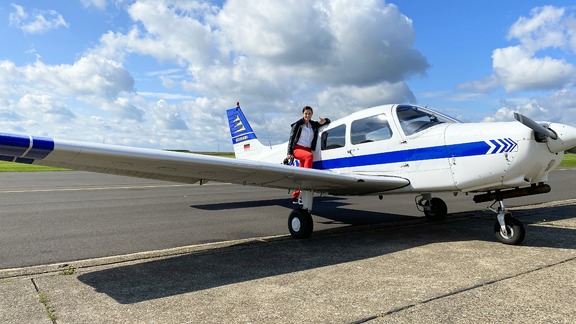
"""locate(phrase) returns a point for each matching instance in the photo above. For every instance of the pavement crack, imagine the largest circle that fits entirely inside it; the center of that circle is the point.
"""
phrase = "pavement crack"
(457, 292)
(45, 301)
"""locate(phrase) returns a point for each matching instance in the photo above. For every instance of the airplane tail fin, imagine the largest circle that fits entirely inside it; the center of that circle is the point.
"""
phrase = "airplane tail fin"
(246, 144)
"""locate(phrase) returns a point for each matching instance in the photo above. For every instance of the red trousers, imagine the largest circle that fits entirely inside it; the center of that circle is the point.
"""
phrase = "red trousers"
(304, 155)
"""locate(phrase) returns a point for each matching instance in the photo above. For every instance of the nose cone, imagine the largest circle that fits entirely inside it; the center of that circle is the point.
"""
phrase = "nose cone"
(566, 138)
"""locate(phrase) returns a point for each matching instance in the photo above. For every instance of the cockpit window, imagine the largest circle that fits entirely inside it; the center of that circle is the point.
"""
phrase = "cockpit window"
(415, 119)
(370, 129)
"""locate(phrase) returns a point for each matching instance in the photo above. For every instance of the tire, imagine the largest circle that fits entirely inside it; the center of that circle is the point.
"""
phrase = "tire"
(514, 228)
(438, 210)
(300, 224)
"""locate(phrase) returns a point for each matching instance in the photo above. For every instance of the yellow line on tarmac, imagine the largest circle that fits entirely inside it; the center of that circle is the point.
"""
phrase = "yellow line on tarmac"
(96, 188)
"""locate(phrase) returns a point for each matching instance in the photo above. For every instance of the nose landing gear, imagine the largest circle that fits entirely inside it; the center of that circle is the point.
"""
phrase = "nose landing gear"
(507, 229)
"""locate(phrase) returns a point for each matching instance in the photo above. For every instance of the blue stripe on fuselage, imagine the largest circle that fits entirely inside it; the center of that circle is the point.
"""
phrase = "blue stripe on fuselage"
(419, 154)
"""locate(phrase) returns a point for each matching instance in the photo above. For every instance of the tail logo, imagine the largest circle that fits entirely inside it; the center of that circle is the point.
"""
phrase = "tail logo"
(238, 125)
(240, 129)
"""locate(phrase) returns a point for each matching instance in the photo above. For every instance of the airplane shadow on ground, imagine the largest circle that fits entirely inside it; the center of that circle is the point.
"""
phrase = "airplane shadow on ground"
(284, 202)
(202, 270)
(326, 206)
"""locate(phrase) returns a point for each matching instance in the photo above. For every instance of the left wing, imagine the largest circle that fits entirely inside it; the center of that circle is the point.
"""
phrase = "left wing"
(185, 167)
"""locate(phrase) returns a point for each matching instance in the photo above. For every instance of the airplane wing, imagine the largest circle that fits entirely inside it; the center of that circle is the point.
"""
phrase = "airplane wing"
(185, 167)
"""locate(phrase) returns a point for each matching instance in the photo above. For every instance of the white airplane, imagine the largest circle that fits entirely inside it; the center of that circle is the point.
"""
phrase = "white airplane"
(388, 149)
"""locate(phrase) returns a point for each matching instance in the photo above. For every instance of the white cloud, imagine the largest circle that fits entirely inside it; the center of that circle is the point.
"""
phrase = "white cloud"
(272, 47)
(123, 108)
(518, 70)
(273, 56)
(545, 28)
(99, 4)
(168, 117)
(351, 98)
(558, 106)
(8, 74)
(482, 86)
(293, 32)
(327, 42)
(531, 65)
(537, 73)
(39, 21)
(91, 78)
(521, 67)
(173, 30)
(43, 93)
(46, 108)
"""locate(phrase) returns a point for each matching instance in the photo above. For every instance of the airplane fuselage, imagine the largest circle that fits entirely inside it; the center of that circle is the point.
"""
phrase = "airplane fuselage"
(435, 152)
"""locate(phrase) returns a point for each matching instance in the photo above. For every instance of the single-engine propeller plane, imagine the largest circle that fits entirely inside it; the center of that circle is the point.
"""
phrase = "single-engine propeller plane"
(388, 149)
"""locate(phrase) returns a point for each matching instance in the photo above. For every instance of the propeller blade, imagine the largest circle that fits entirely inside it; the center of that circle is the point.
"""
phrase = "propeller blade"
(535, 126)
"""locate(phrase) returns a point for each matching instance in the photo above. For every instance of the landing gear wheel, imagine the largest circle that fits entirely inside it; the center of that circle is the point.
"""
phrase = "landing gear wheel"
(437, 210)
(515, 231)
(300, 224)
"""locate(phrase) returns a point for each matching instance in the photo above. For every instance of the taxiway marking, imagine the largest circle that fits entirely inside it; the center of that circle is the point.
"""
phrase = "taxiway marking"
(97, 188)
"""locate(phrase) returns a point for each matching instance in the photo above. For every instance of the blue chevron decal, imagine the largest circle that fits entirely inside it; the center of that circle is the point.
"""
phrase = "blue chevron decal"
(501, 145)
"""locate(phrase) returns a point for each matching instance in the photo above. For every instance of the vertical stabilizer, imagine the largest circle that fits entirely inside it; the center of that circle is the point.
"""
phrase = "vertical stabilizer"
(246, 145)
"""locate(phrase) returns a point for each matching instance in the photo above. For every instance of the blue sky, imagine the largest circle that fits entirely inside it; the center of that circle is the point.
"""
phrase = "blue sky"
(162, 73)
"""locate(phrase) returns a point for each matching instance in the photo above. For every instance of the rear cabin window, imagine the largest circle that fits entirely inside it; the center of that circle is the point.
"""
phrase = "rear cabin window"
(334, 138)
(370, 129)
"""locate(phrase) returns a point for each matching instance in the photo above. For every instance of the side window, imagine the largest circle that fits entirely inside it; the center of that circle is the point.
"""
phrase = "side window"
(334, 138)
(370, 129)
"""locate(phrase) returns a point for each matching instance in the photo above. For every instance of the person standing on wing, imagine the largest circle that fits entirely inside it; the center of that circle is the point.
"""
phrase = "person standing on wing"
(302, 141)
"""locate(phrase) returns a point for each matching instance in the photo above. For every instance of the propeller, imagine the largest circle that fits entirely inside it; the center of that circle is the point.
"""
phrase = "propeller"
(535, 126)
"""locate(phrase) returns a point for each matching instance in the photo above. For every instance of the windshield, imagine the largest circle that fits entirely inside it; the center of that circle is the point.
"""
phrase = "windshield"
(414, 119)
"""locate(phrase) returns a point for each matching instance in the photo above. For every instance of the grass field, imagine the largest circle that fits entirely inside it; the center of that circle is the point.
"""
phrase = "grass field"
(568, 161)
(21, 167)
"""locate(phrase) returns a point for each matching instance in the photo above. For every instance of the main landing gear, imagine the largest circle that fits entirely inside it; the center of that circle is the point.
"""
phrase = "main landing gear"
(434, 209)
(300, 222)
(507, 229)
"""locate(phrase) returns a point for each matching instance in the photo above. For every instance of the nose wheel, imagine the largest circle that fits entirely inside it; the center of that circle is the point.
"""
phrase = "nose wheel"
(507, 229)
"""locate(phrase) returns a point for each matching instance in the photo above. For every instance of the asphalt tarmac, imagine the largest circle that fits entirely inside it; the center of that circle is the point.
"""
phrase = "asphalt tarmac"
(403, 270)
(52, 217)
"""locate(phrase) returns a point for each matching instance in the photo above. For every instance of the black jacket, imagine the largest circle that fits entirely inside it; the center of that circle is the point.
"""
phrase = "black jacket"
(297, 129)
